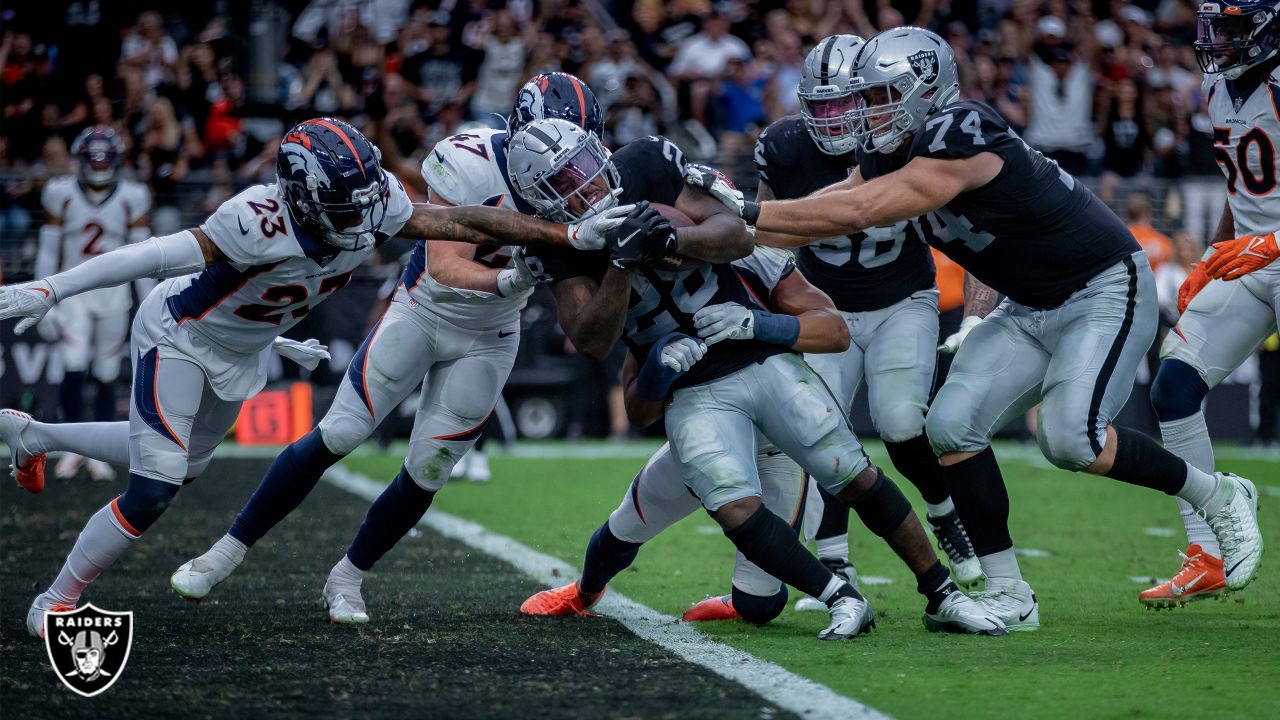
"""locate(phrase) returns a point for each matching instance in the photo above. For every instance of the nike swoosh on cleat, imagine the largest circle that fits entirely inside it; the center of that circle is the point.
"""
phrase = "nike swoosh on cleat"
(1233, 567)
(1023, 617)
(1245, 489)
(1181, 589)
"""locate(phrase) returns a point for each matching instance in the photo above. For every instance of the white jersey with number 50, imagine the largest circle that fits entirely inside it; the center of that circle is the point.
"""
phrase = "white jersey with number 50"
(95, 222)
(467, 169)
(1247, 139)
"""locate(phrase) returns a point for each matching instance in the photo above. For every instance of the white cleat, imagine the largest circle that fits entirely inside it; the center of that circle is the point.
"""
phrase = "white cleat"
(99, 470)
(1236, 526)
(850, 617)
(343, 601)
(68, 466)
(43, 604)
(954, 541)
(196, 578)
(840, 567)
(961, 614)
(1012, 601)
(478, 467)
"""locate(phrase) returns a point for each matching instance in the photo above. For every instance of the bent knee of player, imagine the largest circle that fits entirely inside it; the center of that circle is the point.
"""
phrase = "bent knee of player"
(430, 463)
(197, 463)
(1064, 442)
(760, 609)
(343, 431)
(1177, 391)
(946, 424)
(899, 422)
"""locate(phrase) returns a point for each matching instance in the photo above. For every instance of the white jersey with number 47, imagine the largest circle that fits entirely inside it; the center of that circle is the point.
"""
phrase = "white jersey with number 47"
(1245, 134)
(95, 222)
(467, 169)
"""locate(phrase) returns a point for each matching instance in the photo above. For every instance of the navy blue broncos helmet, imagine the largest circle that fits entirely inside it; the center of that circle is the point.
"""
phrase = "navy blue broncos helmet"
(1233, 36)
(556, 95)
(332, 181)
(99, 153)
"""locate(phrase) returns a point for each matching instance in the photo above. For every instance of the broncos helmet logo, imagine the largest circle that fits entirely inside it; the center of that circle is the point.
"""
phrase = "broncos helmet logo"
(302, 160)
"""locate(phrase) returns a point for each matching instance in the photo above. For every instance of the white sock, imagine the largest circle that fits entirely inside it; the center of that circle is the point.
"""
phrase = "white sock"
(834, 584)
(1202, 491)
(946, 507)
(834, 548)
(229, 548)
(100, 544)
(1188, 438)
(346, 572)
(1003, 564)
(105, 441)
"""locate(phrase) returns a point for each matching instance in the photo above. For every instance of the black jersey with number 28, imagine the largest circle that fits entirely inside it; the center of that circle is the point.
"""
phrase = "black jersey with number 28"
(1033, 233)
(862, 271)
(663, 302)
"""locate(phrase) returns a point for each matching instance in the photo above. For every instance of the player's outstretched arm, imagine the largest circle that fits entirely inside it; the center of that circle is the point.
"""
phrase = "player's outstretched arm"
(481, 225)
(777, 239)
(159, 257)
(923, 185)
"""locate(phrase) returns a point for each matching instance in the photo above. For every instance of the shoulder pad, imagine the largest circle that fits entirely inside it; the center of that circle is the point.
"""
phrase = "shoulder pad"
(399, 208)
(236, 227)
(137, 198)
(463, 169)
(56, 192)
(960, 130)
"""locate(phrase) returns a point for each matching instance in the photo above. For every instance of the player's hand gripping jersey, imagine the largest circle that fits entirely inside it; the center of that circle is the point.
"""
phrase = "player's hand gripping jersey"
(1033, 233)
(92, 226)
(664, 302)
(864, 271)
(468, 169)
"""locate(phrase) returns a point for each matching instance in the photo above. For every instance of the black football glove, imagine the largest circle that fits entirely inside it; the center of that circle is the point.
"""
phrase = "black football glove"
(659, 245)
(627, 243)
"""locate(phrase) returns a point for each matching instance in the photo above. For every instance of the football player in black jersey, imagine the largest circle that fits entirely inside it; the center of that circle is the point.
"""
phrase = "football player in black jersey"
(749, 380)
(882, 281)
(1078, 316)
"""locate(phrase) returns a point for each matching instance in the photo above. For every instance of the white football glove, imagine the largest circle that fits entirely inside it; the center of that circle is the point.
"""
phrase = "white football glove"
(307, 353)
(726, 321)
(952, 343)
(517, 279)
(680, 354)
(718, 186)
(29, 301)
(589, 233)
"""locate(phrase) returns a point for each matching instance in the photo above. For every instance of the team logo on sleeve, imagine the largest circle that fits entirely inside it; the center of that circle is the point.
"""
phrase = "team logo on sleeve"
(88, 647)
(925, 65)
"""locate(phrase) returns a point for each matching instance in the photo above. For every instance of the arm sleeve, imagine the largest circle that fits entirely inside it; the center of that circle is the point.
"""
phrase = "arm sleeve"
(167, 256)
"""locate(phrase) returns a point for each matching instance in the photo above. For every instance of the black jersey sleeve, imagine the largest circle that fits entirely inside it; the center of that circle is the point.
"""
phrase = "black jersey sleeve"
(651, 169)
(963, 130)
(561, 264)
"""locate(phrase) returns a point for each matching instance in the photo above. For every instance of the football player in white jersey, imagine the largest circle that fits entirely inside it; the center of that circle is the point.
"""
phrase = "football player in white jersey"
(245, 276)
(87, 214)
(453, 325)
(1229, 304)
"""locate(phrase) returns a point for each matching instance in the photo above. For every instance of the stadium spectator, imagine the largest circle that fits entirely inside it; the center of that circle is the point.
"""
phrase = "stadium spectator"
(700, 63)
(1061, 93)
(444, 73)
(501, 71)
(149, 48)
(1125, 136)
(1157, 245)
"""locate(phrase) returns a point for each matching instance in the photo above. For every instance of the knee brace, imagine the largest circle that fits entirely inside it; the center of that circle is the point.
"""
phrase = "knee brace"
(144, 501)
(759, 610)
(1177, 391)
(883, 507)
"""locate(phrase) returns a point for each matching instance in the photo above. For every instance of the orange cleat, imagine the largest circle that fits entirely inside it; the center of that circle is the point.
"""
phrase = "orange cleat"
(1200, 577)
(717, 607)
(561, 602)
(28, 472)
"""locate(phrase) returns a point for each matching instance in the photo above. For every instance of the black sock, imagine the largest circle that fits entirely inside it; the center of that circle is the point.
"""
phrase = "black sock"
(1141, 461)
(390, 518)
(835, 517)
(982, 502)
(769, 542)
(935, 585)
(606, 557)
(914, 458)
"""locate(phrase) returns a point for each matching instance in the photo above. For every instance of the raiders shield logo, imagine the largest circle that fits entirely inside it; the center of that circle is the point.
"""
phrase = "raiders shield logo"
(88, 647)
(925, 65)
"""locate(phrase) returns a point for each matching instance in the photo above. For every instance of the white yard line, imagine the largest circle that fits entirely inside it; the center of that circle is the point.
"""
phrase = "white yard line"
(789, 691)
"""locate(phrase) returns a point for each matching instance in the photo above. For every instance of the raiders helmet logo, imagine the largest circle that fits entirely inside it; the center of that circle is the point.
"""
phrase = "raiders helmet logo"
(88, 647)
(925, 65)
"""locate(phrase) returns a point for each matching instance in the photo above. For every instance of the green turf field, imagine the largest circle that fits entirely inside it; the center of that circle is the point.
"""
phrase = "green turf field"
(1098, 654)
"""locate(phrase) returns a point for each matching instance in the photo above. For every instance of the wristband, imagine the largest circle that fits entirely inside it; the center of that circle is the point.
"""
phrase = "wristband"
(776, 329)
(750, 212)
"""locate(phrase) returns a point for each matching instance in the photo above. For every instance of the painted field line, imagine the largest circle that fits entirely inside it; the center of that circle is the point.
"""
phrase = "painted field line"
(774, 683)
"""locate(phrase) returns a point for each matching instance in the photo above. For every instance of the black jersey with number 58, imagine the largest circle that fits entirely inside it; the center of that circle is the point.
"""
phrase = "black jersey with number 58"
(1033, 233)
(862, 271)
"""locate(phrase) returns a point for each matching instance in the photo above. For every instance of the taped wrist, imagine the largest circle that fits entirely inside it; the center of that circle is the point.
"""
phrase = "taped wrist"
(654, 380)
(750, 212)
(167, 256)
(776, 329)
(883, 507)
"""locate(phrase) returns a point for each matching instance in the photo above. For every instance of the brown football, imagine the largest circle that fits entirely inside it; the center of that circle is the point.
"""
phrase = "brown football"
(678, 220)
